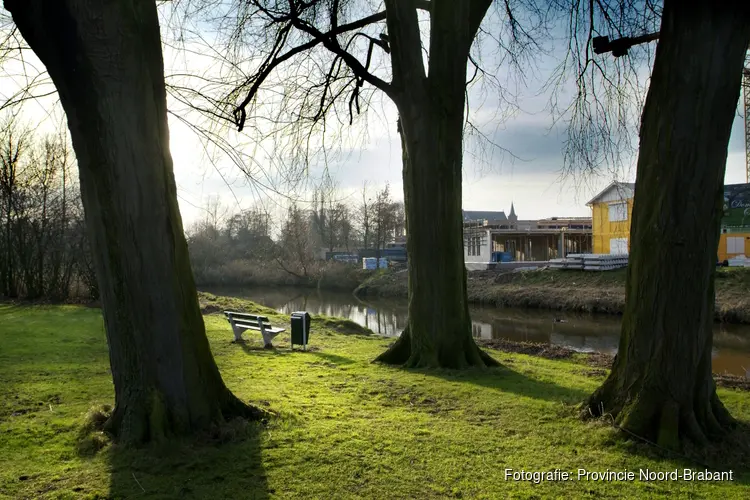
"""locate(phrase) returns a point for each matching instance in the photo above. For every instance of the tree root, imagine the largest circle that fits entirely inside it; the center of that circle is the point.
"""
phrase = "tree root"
(233, 407)
(649, 417)
(400, 354)
(488, 360)
(128, 424)
(135, 424)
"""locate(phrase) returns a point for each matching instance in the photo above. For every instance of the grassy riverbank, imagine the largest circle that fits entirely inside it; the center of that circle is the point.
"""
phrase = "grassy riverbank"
(344, 427)
(568, 290)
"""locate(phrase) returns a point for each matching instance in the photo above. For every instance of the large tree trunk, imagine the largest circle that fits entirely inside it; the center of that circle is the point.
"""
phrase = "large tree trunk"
(105, 60)
(431, 112)
(661, 387)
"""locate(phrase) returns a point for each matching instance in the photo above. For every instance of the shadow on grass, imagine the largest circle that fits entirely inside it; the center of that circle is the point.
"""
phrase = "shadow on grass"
(223, 463)
(333, 358)
(505, 379)
(729, 454)
(256, 349)
(259, 349)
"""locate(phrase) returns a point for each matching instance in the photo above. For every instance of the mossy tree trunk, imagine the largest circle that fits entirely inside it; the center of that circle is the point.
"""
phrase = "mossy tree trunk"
(431, 108)
(105, 60)
(661, 386)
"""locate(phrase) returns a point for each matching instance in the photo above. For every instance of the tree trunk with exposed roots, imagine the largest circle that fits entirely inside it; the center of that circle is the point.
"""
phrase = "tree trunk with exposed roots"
(431, 109)
(105, 60)
(661, 386)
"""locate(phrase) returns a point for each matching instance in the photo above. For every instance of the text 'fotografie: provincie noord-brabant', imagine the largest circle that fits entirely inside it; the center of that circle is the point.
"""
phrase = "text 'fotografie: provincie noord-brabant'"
(621, 475)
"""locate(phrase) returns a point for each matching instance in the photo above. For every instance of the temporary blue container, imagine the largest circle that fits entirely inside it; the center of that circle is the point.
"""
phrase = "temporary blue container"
(369, 263)
(501, 257)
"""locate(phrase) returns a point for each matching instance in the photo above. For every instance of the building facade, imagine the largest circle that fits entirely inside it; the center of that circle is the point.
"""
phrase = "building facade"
(494, 237)
(612, 210)
(735, 224)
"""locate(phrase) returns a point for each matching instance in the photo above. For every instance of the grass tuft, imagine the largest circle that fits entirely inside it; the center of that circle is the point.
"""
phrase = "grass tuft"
(91, 436)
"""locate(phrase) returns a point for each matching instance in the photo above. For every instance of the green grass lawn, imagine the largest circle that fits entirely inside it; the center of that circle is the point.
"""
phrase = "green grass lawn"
(345, 428)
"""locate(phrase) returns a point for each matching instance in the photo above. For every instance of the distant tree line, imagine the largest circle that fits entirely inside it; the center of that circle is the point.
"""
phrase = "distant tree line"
(372, 222)
(249, 247)
(44, 252)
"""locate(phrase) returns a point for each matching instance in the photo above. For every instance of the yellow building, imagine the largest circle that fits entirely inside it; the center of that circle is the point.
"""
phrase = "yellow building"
(735, 224)
(612, 210)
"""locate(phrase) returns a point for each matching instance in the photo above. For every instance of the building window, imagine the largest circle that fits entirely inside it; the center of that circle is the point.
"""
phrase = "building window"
(618, 212)
(618, 246)
(736, 245)
(475, 248)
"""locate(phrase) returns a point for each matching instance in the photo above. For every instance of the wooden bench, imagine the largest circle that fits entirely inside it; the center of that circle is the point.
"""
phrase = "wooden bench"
(243, 321)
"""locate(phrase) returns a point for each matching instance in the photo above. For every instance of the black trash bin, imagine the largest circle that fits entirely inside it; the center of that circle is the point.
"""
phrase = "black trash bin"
(300, 328)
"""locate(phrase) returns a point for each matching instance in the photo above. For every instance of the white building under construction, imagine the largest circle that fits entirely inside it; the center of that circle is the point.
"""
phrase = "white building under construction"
(495, 237)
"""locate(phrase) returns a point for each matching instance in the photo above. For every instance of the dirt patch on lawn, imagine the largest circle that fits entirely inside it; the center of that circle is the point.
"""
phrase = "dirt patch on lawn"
(732, 382)
(547, 351)
(599, 362)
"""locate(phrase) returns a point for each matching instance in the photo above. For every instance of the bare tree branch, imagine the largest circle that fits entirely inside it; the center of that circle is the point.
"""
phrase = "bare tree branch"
(328, 39)
(602, 117)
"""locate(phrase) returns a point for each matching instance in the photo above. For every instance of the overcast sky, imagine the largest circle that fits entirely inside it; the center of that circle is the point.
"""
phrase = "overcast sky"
(528, 176)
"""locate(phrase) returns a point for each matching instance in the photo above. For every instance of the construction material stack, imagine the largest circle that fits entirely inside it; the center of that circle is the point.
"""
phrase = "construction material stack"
(605, 262)
(591, 262)
(572, 261)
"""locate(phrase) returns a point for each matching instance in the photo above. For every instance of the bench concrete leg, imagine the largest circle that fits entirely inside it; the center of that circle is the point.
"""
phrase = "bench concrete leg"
(238, 333)
(267, 338)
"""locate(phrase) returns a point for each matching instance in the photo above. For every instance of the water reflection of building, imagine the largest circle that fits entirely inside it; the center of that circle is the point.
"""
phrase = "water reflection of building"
(481, 330)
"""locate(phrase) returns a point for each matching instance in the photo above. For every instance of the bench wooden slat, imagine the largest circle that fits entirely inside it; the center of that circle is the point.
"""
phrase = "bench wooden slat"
(245, 315)
(249, 326)
(243, 324)
(245, 321)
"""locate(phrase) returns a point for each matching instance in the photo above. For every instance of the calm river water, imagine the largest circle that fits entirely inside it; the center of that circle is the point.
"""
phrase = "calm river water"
(583, 333)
